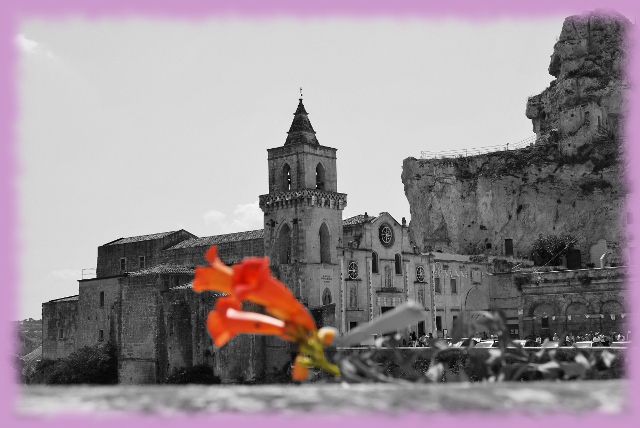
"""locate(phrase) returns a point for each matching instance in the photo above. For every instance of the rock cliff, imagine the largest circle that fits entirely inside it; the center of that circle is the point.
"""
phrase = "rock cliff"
(568, 182)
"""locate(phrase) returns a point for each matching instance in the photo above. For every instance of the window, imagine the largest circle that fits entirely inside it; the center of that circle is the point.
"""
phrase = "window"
(286, 177)
(454, 286)
(488, 245)
(514, 331)
(545, 322)
(141, 262)
(320, 177)
(284, 245)
(420, 274)
(102, 299)
(438, 323)
(353, 270)
(374, 262)
(352, 325)
(455, 320)
(398, 264)
(60, 334)
(101, 335)
(325, 250)
(386, 235)
(436, 284)
(123, 264)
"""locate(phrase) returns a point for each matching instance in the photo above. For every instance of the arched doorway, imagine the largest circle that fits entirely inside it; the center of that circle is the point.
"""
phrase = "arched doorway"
(612, 321)
(577, 322)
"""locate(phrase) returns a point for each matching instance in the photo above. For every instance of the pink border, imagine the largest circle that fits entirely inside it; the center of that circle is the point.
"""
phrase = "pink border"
(12, 10)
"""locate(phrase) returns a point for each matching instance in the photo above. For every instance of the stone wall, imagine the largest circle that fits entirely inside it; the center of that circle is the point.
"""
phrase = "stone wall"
(99, 316)
(140, 330)
(59, 327)
(578, 301)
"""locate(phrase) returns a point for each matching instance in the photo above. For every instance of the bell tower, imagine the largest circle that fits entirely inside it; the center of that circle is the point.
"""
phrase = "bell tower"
(303, 216)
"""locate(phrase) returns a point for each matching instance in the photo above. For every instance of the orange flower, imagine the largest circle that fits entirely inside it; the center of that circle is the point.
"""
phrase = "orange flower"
(299, 371)
(252, 280)
(228, 320)
(216, 277)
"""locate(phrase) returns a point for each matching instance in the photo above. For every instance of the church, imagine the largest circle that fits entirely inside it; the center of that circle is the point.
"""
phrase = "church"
(345, 271)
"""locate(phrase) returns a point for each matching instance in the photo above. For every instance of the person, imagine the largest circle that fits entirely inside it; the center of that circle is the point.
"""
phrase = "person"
(555, 337)
(413, 338)
(423, 340)
(538, 339)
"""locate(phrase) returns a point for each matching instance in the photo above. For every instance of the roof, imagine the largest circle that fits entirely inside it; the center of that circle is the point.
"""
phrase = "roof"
(164, 268)
(33, 356)
(189, 286)
(140, 238)
(358, 219)
(219, 239)
(186, 286)
(301, 130)
(64, 299)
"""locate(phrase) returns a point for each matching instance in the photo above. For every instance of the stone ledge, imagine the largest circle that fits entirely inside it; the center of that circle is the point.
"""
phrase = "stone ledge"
(529, 398)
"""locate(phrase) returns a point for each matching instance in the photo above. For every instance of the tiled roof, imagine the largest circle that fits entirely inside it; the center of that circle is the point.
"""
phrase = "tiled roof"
(163, 268)
(65, 299)
(207, 241)
(357, 219)
(189, 286)
(140, 238)
(186, 286)
(33, 356)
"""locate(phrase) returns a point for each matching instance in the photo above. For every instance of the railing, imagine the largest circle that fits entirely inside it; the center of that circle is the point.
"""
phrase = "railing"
(89, 273)
(478, 151)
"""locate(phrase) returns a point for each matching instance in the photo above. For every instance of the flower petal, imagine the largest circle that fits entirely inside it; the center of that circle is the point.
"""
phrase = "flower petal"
(217, 277)
(227, 320)
(252, 280)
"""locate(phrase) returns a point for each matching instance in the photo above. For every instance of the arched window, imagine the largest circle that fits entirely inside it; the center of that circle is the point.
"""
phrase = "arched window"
(325, 250)
(320, 177)
(398, 264)
(374, 262)
(284, 245)
(326, 297)
(286, 177)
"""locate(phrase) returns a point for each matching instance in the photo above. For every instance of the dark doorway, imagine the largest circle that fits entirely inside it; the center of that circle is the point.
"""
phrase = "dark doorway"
(508, 247)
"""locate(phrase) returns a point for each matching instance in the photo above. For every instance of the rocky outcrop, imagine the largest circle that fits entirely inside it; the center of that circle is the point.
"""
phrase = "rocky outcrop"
(569, 182)
(586, 98)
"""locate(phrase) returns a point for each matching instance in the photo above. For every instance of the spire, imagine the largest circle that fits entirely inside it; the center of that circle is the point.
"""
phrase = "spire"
(301, 130)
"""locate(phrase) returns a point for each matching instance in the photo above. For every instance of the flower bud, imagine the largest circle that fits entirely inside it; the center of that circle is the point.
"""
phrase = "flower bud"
(326, 335)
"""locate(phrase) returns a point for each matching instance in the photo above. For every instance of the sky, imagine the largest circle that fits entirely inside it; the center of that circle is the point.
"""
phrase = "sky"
(132, 126)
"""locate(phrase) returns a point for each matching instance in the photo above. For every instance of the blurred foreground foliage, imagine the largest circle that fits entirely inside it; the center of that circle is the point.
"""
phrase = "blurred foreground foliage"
(509, 361)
